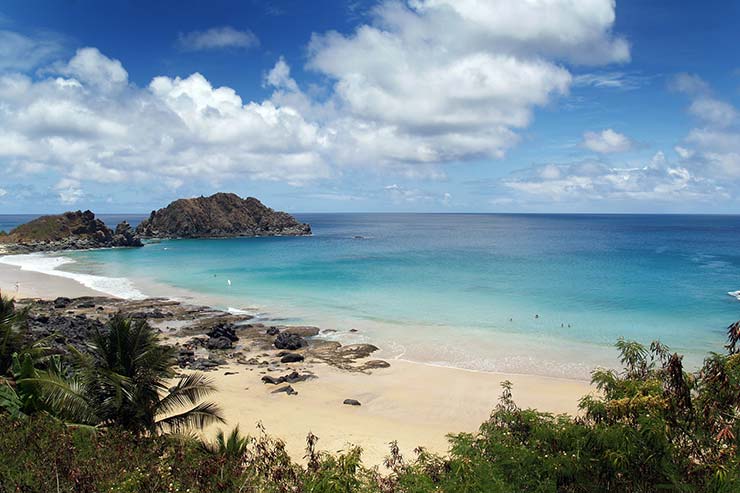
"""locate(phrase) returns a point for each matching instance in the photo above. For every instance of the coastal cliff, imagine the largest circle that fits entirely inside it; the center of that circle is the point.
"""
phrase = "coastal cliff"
(69, 231)
(220, 215)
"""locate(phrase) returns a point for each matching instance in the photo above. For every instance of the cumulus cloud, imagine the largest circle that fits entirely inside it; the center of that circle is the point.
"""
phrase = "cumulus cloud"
(217, 38)
(86, 121)
(421, 84)
(437, 80)
(655, 181)
(714, 145)
(3, 192)
(69, 191)
(606, 142)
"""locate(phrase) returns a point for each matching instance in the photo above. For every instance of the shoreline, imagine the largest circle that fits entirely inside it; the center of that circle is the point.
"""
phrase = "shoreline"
(416, 404)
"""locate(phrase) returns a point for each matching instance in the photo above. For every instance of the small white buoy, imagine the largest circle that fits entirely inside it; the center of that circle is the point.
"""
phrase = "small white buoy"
(228, 281)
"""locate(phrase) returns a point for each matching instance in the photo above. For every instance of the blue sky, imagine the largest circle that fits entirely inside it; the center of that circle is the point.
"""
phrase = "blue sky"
(417, 105)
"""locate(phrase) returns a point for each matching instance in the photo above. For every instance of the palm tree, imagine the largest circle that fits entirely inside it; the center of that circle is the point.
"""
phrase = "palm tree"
(12, 323)
(235, 445)
(123, 382)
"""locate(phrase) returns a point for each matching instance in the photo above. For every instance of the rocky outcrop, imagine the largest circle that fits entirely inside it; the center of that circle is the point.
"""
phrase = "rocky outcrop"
(69, 231)
(220, 215)
(286, 340)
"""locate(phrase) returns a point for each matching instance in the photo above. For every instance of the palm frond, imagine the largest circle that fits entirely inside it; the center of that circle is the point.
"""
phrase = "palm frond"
(190, 390)
(202, 415)
(67, 398)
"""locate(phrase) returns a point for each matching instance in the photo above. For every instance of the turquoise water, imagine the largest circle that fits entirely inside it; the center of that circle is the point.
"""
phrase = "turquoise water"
(532, 293)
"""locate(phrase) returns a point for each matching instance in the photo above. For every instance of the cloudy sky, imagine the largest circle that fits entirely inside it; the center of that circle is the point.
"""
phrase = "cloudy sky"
(371, 105)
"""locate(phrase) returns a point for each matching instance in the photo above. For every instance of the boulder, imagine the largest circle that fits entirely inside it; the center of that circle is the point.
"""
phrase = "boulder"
(287, 389)
(289, 341)
(62, 302)
(352, 402)
(224, 330)
(358, 350)
(292, 358)
(218, 343)
(375, 364)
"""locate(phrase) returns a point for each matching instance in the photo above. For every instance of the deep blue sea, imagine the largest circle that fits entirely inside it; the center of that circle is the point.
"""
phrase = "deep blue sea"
(544, 294)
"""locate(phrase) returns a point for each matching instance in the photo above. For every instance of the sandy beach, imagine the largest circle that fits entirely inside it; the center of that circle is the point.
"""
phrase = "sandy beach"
(413, 403)
(36, 285)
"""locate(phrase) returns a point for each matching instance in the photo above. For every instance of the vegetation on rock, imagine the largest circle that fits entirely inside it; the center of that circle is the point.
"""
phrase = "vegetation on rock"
(220, 215)
(69, 231)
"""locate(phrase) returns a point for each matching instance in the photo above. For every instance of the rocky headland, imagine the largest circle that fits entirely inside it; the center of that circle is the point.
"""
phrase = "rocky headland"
(220, 215)
(69, 231)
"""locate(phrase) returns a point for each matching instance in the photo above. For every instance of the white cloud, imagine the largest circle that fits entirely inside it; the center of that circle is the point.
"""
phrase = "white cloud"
(713, 111)
(69, 191)
(91, 67)
(95, 126)
(611, 80)
(607, 141)
(714, 146)
(19, 52)
(688, 84)
(655, 181)
(3, 192)
(218, 38)
(424, 83)
(435, 80)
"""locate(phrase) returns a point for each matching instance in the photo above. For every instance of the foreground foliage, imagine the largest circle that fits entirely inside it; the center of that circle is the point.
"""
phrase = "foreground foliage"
(651, 427)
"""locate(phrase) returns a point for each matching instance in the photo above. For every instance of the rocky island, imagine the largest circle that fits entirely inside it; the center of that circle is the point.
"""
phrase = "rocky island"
(218, 216)
(69, 231)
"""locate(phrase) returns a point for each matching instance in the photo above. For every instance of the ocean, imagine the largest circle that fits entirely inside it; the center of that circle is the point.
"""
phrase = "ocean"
(524, 293)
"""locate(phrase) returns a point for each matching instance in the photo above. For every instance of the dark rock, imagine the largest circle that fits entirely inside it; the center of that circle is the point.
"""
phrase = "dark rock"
(292, 358)
(272, 331)
(63, 330)
(289, 341)
(203, 364)
(224, 330)
(220, 215)
(302, 330)
(62, 302)
(358, 350)
(352, 402)
(287, 389)
(218, 343)
(86, 304)
(273, 380)
(292, 377)
(375, 364)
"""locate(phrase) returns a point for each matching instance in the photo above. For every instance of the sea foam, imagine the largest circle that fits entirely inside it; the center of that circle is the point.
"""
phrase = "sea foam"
(49, 265)
(735, 294)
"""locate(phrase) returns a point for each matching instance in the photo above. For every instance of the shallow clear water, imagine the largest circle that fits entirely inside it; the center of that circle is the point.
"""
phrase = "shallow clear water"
(532, 293)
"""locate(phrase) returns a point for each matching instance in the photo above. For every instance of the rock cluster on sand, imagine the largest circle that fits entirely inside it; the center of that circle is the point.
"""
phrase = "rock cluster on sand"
(69, 231)
(220, 215)
(204, 338)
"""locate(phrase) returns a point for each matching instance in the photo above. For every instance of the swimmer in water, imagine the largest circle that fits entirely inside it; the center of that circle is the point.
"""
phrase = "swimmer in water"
(536, 316)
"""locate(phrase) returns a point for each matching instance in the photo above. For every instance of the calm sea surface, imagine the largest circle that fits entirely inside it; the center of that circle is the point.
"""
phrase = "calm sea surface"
(546, 294)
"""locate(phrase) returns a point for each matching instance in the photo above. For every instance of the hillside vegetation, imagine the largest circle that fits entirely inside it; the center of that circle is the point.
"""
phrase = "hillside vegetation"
(103, 422)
